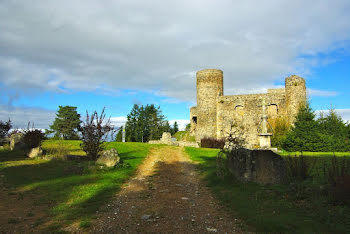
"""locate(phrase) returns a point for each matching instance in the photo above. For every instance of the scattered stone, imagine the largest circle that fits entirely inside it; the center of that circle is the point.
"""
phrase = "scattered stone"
(109, 158)
(212, 230)
(145, 217)
(35, 152)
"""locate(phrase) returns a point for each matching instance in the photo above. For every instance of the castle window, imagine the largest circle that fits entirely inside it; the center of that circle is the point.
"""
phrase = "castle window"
(272, 110)
(239, 110)
(194, 119)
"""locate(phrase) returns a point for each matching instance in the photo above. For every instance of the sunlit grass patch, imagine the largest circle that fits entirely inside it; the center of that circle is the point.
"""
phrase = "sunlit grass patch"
(74, 190)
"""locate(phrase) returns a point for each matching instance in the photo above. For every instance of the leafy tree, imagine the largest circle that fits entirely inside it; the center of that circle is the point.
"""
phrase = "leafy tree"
(280, 130)
(94, 133)
(303, 136)
(67, 123)
(5, 128)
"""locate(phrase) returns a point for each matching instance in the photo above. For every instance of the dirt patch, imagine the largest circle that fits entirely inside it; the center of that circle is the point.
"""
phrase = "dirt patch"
(19, 213)
(165, 196)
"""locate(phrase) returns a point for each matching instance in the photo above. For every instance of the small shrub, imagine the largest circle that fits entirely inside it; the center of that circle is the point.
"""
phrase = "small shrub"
(210, 142)
(94, 133)
(33, 138)
(233, 141)
(280, 130)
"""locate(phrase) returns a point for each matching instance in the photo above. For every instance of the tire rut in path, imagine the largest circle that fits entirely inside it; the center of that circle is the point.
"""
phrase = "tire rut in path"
(165, 196)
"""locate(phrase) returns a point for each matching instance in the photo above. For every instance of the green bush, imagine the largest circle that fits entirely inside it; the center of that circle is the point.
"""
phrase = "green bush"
(5, 128)
(33, 138)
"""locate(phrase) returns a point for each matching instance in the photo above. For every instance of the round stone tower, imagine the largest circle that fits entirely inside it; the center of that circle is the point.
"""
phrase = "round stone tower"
(209, 87)
(295, 95)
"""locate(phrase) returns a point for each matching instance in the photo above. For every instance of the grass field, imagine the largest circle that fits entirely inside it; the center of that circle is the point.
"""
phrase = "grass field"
(296, 208)
(73, 190)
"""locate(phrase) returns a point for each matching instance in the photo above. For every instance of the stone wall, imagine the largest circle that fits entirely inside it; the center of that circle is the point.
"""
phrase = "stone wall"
(215, 113)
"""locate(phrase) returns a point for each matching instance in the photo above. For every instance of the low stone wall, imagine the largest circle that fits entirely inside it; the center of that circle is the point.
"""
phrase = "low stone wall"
(166, 139)
(260, 166)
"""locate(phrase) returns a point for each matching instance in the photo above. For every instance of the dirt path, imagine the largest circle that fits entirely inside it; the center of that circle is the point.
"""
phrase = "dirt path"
(166, 196)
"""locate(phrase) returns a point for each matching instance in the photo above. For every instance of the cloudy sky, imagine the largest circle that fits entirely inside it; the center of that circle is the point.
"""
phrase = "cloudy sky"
(113, 54)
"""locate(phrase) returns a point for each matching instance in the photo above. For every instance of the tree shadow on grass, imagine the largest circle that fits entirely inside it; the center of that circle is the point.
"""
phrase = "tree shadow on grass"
(7, 155)
(72, 189)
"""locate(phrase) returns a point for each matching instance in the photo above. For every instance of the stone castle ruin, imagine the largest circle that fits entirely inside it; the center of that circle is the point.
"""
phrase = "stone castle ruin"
(215, 113)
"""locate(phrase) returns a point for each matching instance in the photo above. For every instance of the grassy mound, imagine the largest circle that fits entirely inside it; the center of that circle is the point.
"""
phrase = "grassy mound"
(184, 136)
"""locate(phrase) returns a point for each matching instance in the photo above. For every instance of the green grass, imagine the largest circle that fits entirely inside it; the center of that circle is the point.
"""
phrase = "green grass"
(74, 190)
(294, 208)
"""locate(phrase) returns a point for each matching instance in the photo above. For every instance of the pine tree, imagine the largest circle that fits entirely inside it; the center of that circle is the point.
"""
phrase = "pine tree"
(67, 123)
(167, 127)
(131, 126)
(334, 132)
(303, 136)
(175, 128)
(119, 137)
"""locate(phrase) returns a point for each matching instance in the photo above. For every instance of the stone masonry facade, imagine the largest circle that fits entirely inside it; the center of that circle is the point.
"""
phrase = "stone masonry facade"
(215, 113)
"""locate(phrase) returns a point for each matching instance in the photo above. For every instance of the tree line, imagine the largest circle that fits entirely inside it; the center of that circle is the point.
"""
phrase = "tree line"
(145, 123)
(329, 132)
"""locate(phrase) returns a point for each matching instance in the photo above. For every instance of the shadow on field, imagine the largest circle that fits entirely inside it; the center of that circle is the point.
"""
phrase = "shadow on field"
(73, 190)
(7, 155)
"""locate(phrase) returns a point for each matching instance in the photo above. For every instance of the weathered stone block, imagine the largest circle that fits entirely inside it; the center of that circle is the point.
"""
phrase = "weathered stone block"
(16, 142)
(109, 158)
(35, 152)
(260, 166)
(166, 138)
